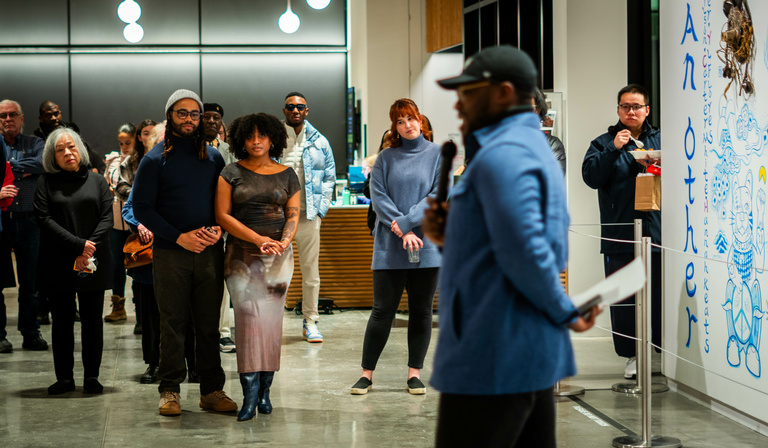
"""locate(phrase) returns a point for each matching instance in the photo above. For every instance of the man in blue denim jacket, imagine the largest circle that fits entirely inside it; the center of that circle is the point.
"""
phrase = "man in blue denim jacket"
(309, 154)
(504, 316)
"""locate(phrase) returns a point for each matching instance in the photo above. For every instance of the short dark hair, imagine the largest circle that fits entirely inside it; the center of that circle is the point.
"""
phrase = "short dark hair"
(45, 105)
(295, 94)
(633, 88)
(243, 128)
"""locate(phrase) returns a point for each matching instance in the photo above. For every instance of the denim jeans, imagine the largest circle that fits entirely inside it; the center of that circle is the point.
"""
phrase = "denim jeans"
(23, 236)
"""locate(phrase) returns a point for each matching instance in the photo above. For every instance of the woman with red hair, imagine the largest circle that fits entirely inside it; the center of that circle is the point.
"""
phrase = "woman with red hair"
(405, 173)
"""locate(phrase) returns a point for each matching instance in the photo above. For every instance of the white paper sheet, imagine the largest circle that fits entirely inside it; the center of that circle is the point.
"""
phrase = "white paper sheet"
(622, 284)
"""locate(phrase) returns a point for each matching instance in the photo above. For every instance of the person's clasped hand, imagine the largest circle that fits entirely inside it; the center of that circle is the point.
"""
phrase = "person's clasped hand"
(145, 235)
(411, 241)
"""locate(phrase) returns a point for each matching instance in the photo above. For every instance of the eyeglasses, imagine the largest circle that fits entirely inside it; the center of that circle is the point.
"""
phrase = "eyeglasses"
(183, 113)
(299, 107)
(635, 107)
(5, 115)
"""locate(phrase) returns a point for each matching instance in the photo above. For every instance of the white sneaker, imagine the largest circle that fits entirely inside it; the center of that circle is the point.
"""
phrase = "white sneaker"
(311, 333)
(630, 370)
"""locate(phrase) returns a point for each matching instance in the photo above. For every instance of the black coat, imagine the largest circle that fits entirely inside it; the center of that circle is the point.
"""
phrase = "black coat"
(72, 208)
(612, 172)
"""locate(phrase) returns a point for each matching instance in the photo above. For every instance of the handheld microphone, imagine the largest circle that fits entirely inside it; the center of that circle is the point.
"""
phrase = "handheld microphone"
(447, 153)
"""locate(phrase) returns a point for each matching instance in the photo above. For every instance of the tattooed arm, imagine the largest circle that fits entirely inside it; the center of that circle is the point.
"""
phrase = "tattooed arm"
(291, 219)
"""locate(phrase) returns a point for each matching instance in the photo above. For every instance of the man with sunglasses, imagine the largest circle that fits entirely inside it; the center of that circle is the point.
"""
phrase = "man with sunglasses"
(610, 169)
(504, 317)
(309, 154)
(20, 232)
(173, 196)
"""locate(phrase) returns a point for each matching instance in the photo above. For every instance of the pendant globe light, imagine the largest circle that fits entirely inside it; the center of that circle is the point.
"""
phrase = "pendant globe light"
(319, 4)
(289, 22)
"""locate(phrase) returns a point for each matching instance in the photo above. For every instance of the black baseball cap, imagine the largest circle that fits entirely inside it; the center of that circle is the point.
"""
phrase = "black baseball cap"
(498, 64)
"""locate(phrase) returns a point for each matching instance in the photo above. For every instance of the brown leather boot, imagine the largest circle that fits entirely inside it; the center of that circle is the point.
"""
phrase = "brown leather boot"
(118, 310)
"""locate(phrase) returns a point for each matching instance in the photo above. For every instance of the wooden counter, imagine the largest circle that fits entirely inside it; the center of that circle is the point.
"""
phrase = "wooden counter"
(346, 248)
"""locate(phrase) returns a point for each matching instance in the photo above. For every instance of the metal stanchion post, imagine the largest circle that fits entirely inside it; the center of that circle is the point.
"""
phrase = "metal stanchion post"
(567, 391)
(634, 387)
(644, 371)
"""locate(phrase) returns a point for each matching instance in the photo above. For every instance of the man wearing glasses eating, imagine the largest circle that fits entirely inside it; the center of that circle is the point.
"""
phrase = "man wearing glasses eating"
(610, 169)
(309, 154)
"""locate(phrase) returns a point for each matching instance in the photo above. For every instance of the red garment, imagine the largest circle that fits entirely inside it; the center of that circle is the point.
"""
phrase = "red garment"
(7, 180)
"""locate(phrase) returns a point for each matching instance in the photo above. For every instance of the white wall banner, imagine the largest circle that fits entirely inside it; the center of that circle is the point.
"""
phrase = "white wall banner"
(715, 146)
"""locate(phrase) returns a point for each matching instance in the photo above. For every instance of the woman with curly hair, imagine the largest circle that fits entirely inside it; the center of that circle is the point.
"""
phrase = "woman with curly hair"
(404, 174)
(257, 202)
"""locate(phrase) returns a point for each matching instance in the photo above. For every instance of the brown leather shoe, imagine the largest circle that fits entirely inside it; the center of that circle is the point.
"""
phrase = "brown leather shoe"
(217, 401)
(169, 403)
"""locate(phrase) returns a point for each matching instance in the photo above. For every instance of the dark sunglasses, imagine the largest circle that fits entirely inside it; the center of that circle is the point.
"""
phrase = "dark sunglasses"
(299, 107)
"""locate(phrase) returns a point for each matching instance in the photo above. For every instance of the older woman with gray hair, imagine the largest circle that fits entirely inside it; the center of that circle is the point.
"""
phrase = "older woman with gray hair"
(74, 210)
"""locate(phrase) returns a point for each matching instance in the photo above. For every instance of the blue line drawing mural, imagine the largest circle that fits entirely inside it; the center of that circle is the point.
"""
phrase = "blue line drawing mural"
(743, 296)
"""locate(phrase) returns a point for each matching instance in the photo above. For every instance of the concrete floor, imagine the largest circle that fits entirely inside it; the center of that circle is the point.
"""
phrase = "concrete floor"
(313, 406)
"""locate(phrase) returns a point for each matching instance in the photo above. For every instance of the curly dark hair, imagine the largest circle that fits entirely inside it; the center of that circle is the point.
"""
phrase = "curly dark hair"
(243, 129)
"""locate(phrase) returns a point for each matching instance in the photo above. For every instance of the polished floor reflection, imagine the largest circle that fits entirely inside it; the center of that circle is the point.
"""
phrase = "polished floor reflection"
(313, 406)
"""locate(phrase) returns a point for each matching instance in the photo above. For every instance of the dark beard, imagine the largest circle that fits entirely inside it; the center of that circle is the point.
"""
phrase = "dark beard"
(180, 132)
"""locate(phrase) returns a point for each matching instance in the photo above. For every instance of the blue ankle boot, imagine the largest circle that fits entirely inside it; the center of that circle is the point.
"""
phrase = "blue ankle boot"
(250, 383)
(265, 406)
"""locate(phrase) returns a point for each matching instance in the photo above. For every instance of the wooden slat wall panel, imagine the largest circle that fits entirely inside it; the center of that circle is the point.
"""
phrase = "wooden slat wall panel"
(346, 248)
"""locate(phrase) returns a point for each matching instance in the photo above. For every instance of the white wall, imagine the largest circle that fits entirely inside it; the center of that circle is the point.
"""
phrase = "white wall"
(590, 68)
(388, 60)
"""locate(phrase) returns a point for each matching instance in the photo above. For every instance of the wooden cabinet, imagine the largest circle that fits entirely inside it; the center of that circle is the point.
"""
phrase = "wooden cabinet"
(444, 18)
(346, 247)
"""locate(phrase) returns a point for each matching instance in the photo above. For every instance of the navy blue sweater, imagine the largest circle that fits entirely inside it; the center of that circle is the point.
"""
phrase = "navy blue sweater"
(174, 195)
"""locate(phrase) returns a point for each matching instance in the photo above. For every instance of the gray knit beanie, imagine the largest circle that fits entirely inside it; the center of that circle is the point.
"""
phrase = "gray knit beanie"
(182, 94)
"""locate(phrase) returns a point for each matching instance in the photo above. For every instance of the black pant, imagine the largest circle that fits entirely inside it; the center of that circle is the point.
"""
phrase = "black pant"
(623, 316)
(189, 288)
(512, 420)
(91, 305)
(150, 333)
(388, 286)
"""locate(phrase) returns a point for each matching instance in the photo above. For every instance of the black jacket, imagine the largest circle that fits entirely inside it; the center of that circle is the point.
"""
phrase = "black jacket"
(612, 173)
(72, 208)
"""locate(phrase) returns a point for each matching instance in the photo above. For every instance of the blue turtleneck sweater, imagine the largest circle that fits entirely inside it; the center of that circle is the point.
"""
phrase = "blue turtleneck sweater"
(174, 195)
(401, 180)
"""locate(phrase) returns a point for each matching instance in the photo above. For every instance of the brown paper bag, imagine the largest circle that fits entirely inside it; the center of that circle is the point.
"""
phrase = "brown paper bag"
(648, 193)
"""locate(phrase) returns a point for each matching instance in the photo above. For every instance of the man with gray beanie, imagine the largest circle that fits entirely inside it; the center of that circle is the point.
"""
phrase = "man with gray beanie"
(504, 316)
(173, 196)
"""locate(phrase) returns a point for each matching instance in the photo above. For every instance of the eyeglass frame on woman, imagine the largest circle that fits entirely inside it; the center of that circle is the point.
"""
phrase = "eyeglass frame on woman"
(634, 107)
(299, 107)
(183, 114)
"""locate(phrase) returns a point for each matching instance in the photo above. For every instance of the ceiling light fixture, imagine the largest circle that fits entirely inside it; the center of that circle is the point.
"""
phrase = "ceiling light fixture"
(319, 4)
(133, 32)
(129, 11)
(289, 22)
